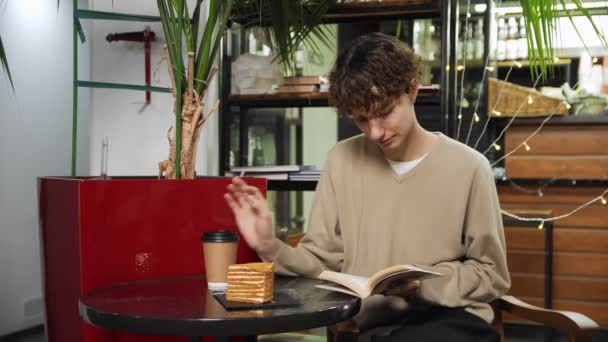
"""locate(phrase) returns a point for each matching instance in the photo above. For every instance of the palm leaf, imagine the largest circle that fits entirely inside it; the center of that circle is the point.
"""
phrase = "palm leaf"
(541, 25)
(202, 58)
(4, 62)
(216, 44)
(287, 24)
(171, 30)
(196, 19)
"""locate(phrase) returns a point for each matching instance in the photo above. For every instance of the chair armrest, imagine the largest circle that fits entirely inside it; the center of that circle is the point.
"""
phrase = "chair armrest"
(573, 324)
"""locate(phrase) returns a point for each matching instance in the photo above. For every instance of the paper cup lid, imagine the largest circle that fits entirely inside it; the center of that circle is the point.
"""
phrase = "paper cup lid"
(220, 236)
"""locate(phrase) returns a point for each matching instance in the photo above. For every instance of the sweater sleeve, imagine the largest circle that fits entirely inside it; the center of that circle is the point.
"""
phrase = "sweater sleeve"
(321, 247)
(482, 275)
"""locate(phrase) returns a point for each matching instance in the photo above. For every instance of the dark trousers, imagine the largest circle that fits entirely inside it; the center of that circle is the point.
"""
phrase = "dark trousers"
(442, 324)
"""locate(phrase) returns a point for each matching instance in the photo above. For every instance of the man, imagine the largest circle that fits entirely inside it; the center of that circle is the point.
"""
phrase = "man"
(397, 194)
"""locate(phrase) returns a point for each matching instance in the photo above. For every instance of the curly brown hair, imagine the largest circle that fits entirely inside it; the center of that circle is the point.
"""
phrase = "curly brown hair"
(371, 75)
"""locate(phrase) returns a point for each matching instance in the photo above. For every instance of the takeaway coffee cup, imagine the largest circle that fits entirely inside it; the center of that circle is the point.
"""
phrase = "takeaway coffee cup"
(219, 250)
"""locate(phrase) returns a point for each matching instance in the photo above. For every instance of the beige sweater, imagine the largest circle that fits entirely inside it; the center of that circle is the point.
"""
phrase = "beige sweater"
(442, 215)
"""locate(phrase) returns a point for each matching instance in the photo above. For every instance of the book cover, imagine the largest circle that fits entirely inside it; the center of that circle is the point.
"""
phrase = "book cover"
(379, 282)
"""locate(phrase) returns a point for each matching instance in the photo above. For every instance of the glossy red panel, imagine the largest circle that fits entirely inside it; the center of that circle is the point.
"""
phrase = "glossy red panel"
(128, 230)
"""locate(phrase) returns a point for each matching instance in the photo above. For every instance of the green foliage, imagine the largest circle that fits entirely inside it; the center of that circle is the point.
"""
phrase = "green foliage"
(206, 50)
(287, 24)
(541, 19)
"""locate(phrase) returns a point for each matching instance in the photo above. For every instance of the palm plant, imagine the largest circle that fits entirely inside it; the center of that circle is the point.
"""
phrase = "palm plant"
(189, 88)
(190, 80)
(541, 19)
(287, 25)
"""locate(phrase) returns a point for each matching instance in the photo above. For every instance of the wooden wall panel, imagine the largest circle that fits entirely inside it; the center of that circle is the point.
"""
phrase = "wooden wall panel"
(552, 194)
(563, 167)
(564, 239)
(559, 140)
(593, 216)
(564, 287)
(564, 263)
(566, 152)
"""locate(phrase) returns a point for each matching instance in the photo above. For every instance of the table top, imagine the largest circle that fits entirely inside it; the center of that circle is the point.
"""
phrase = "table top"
(182, 306)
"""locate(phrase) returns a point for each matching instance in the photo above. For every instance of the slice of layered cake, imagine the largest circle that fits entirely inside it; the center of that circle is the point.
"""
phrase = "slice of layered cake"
(251, 283)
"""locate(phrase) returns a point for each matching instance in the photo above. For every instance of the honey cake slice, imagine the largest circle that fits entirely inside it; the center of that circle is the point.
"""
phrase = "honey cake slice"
(251, 283)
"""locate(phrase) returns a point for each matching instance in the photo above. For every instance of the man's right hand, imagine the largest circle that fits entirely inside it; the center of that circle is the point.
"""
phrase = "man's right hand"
(252, 216)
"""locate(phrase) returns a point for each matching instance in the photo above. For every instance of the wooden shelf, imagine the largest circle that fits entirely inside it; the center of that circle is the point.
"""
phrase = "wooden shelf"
(526, 63)
(286, 185)
(560, 120)
(317, 99)
(375, 10)
(368, 10)
(543, 182)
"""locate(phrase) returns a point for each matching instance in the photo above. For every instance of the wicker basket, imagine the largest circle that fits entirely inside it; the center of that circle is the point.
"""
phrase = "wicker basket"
(512, 96)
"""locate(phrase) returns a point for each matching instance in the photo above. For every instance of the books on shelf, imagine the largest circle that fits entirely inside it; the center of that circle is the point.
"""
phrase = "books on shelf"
(272, 168)
(278, 172)
(298, 80)
(300, 88)
(269, 176)
(379, 282)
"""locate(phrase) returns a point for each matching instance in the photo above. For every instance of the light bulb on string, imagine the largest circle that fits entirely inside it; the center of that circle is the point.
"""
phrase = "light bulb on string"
(459, 116)
(555, 59)
(594, 60)
(460, 67)
(568, 106)
(541, 225)
(490, 68)
(476, 117)
(518, 64)
(603, 200)
(530, 101)
(526, 146)
(496, 147)
(497, 113)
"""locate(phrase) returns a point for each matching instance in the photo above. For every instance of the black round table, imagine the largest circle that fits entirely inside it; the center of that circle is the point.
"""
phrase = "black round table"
(182, 306)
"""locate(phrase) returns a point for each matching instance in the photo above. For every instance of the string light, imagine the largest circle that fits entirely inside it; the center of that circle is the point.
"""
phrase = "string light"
(594, 60)
(555, 218)
(459, 116)
(526, 146)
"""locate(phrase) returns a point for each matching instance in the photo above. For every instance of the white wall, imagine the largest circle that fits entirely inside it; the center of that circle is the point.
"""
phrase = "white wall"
(137, 141)
(35, 140)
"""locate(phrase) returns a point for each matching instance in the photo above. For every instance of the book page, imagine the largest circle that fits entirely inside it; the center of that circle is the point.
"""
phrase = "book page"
(355, 283)
(337, 288)
(397, 275)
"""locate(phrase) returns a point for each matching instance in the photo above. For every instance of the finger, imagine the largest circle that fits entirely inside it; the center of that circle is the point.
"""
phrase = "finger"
(252, 202)
(232, 203)
(242, 201)
(239, 183)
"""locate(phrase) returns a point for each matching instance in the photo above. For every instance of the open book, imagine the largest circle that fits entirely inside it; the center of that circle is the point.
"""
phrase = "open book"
(379, 282)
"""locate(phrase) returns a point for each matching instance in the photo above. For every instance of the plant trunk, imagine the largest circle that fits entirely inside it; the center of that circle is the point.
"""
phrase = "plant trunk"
(192, 123)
